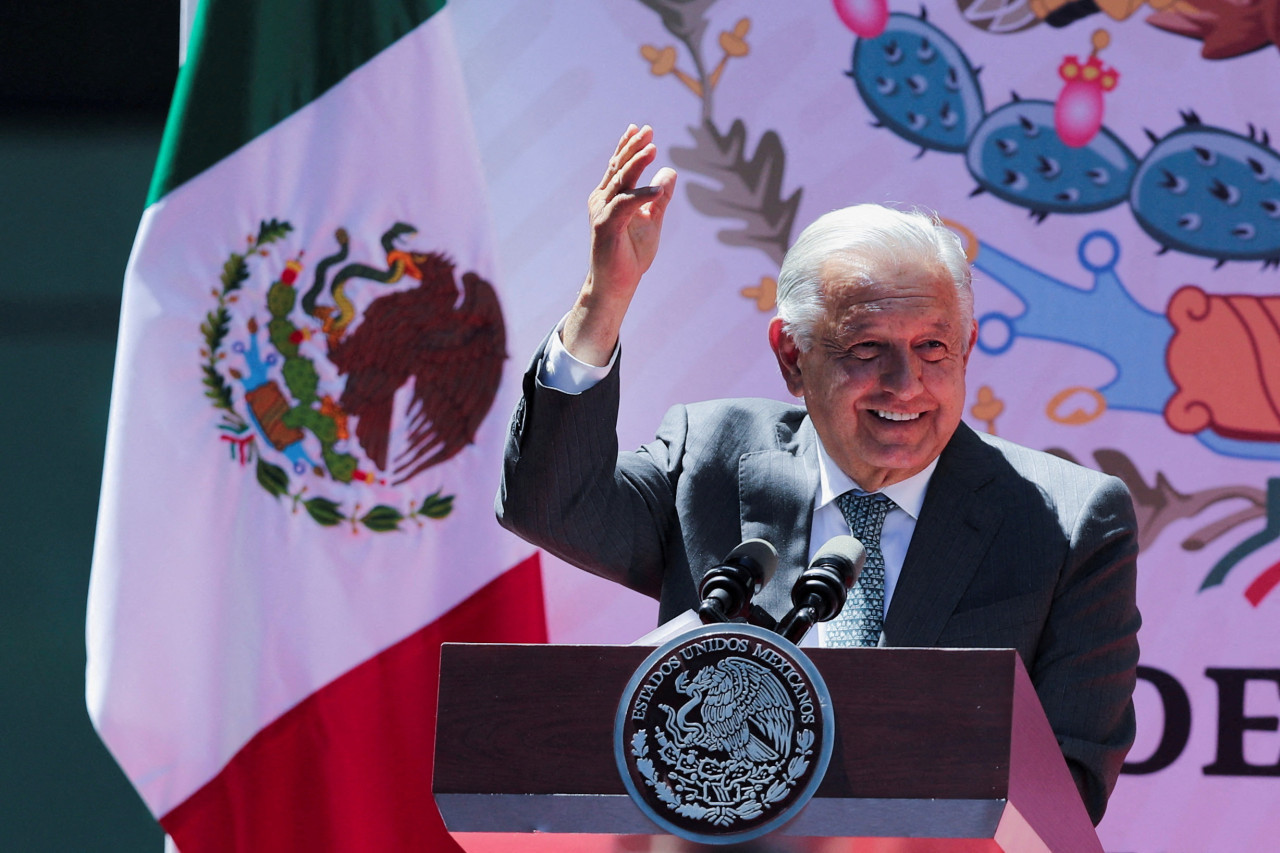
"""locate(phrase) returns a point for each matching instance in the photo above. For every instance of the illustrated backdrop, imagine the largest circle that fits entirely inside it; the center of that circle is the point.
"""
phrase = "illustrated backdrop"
(1127, 285)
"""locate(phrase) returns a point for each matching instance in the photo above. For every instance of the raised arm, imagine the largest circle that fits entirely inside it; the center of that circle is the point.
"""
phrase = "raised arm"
(626, 222)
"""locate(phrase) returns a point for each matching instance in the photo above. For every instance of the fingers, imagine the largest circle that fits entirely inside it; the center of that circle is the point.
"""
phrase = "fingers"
(617, 159)
(631, 131)
(628, 176)
(615, 203)
(654, 198)
(650, 201)
(624, 166)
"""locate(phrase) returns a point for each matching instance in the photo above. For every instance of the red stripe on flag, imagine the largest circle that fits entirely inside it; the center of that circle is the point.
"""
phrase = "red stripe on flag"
(349, 767)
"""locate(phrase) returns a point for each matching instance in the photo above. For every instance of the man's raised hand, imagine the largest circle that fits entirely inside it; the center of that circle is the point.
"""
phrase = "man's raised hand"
(626, 222)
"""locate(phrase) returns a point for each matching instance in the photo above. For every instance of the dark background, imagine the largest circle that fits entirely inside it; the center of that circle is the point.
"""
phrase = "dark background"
(84, 88)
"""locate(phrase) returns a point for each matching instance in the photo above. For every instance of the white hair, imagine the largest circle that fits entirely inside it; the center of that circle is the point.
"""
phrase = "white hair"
(874, 239)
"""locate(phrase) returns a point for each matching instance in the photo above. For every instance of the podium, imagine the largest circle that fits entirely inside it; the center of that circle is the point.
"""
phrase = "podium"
(935, 750)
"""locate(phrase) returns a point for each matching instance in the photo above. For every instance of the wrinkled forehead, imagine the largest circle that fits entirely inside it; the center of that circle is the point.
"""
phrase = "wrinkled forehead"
(865, 285)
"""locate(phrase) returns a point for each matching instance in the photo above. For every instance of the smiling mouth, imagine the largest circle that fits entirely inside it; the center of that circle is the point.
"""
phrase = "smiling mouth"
(896, 416)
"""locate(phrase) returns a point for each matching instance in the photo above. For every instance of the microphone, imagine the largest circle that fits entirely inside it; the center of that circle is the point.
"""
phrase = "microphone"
(820, 591)
(726, 589)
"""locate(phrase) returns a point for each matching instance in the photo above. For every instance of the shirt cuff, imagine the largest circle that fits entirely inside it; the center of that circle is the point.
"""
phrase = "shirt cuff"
(560, 371)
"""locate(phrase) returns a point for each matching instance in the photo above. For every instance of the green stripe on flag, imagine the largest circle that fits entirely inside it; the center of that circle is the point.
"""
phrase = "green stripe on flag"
(253, 63)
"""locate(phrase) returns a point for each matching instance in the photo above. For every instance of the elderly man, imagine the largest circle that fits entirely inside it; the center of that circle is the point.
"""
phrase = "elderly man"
(972, 541)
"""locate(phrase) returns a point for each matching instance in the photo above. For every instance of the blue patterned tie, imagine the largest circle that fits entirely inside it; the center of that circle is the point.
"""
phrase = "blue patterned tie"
(860, 621)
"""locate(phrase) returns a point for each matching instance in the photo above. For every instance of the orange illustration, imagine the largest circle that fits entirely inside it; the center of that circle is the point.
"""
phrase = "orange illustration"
(1225, 360)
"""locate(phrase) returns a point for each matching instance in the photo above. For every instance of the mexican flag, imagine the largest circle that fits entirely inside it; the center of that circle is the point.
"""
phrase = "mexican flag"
(310, 399)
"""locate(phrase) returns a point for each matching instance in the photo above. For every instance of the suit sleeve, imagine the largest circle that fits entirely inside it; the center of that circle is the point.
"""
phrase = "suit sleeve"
(566, 488)
(1086, 666)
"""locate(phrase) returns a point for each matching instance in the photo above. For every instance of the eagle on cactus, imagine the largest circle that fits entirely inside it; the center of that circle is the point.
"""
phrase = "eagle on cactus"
(449, 341)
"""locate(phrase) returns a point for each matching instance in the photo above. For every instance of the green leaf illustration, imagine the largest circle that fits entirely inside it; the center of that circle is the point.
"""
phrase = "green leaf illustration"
(215, 325)
(382, 518)
(234, 273)
(271, 230)
(437, 506)
(216, 389)
(324, 511)
(273, 478)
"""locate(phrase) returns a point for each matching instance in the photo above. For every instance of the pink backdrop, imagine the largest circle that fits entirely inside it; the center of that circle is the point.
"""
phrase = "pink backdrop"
(1128, 316)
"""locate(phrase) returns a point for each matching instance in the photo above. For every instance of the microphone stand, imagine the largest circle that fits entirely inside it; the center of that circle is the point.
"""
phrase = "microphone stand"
(820, 591)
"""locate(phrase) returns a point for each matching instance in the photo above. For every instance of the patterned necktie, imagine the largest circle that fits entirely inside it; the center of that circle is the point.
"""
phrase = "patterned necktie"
(860, 621)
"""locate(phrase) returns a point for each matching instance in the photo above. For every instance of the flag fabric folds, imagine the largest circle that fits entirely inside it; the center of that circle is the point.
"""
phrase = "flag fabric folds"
(308, 410)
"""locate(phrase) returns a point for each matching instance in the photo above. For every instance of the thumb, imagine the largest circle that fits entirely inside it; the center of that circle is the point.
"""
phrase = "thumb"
(666, 179)
(665, 182)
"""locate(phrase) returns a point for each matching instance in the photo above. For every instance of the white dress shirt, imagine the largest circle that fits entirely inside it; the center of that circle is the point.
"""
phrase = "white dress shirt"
(561, 371)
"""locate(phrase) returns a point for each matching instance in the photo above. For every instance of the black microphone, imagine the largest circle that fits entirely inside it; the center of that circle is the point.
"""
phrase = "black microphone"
(821, 590)
(726, 589)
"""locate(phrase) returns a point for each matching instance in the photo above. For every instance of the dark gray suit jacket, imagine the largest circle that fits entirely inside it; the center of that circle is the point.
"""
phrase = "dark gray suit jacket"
(1013, 548)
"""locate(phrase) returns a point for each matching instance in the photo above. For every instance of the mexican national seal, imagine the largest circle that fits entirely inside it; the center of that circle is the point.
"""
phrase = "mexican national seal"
(724, 733)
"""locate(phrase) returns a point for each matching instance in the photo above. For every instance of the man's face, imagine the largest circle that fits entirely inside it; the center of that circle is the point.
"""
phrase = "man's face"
(884, 377)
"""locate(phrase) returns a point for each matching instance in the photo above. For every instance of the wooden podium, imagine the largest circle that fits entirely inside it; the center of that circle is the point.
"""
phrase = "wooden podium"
(936, 750)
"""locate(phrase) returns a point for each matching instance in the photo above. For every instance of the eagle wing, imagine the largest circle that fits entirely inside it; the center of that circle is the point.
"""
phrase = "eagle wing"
(456, 370)
(373, 357)
(453, 355)
(767, 709)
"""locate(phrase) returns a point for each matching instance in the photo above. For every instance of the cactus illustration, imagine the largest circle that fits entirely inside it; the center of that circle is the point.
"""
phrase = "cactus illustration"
(1201, 190)
(918, 83)
(1207, 191)
(1017, 155)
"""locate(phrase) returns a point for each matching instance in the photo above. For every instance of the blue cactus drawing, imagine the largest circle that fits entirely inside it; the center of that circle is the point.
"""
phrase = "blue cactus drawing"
(918, 83)
(1016, 154)
(1200, 190)
(1208, 191)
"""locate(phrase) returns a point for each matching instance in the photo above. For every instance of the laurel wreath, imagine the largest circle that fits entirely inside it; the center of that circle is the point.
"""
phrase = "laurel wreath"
(236, 428)
(640, 749)
(724, 815)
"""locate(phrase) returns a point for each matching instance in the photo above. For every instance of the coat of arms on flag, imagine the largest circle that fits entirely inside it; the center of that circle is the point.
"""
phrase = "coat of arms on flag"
(309, 395)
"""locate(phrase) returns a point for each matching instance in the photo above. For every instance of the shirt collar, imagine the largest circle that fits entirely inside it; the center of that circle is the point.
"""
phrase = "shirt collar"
(833, 482)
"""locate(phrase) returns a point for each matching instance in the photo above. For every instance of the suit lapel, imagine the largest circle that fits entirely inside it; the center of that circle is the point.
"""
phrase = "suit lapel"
(952, 535)
(775, 503)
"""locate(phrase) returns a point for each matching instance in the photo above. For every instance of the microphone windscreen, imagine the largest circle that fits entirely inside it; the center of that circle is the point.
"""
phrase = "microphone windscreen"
(761, 553)
(845, 551)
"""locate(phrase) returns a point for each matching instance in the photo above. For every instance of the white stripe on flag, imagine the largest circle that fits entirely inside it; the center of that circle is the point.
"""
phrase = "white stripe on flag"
(213, 608)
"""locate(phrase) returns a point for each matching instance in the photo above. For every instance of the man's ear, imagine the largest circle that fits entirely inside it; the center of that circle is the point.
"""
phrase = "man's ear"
(973, 341)
(787, 352)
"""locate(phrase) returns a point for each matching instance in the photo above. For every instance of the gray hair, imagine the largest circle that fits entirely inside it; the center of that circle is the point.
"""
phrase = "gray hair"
(874, 238)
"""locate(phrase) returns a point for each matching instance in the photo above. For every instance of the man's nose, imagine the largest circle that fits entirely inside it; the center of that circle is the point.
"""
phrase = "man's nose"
(902, 374)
